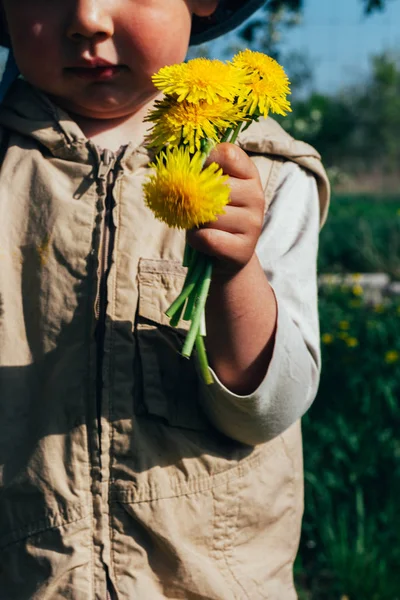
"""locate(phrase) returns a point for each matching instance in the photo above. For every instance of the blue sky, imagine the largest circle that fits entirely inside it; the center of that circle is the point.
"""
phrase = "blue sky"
(340, 39)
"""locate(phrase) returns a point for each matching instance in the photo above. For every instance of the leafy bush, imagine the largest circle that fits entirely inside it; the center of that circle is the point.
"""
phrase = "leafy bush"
(351, 533)
(362, 234)
(358, 127)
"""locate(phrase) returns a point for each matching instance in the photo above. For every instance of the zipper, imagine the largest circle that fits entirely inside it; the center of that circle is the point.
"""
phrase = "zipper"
(106, 177)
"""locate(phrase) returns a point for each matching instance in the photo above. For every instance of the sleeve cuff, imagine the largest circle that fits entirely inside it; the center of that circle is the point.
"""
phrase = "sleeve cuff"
(282, 397)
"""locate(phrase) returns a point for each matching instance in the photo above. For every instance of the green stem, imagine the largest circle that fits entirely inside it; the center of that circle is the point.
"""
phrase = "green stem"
(200, 306)
(207, 146)
(236, 133)
(191, 303)
(203, 325)
(203, 361)
(174, 321)
(192, 278)
(187, 257)
(227, 134)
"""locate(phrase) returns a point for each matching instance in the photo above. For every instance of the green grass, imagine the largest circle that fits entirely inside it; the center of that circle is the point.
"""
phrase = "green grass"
(351, 532)
(350, 546)
(362, 234)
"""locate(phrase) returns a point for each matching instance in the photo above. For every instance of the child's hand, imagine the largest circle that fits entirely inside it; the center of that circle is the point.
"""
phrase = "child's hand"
(233, 237)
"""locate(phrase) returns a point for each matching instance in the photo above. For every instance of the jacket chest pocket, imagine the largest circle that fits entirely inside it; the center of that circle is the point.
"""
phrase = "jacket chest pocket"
(170, 382)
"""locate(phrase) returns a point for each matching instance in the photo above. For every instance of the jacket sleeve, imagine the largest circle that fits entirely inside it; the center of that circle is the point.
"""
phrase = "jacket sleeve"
(287, 250)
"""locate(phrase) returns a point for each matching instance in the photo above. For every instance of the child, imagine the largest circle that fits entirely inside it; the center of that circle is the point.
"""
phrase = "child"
(122, 475)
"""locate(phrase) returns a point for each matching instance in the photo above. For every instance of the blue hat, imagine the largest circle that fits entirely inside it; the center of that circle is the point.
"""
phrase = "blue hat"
(10, 74)
(229, 15)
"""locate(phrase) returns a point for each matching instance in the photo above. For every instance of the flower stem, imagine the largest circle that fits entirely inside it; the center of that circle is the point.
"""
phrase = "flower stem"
(236, 133)
(191, 280)
(174, 321)
(191, 303)
(206, 146)
(187, 257)
(200, 306)
(203, 361)
(227, 134)
(203, 325)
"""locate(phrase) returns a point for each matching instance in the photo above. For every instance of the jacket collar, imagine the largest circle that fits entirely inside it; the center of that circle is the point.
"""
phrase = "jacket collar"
(31, 113)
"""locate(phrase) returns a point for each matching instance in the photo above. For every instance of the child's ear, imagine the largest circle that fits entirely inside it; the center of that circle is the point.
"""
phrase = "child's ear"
(204, 8)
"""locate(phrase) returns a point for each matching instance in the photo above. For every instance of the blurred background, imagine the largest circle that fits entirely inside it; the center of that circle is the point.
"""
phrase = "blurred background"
(343, 58)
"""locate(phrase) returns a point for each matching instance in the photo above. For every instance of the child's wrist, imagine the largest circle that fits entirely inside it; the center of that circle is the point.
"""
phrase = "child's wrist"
(224, 272)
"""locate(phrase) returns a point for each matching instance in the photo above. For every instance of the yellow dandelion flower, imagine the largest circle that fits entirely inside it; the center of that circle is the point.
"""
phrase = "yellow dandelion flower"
(329, 279)
(358, 290)
(327, 338)
(344, 325)
(183, 194)
(392, 356)
(200, 79)
(398, 310)
(187, 123)
(379, 308)
(352, 342)
(268, 85)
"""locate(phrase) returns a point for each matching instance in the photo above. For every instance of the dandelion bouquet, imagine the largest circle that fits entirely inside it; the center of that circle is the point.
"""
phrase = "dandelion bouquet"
(205, 102)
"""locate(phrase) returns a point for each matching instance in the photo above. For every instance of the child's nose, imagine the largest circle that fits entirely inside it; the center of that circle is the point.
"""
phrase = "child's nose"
(90, 18)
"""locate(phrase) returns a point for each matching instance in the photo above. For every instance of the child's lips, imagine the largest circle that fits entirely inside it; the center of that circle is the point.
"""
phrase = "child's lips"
(97, 71)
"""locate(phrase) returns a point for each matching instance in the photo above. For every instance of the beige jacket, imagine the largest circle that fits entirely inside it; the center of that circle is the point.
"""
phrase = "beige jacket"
(116, 471)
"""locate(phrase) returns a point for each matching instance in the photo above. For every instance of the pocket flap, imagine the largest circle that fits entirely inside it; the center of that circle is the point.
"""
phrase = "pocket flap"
(170, 382)
(160, 283)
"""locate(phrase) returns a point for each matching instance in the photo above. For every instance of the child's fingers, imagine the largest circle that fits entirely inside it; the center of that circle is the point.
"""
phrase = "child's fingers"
(222, 245)
(236, 221)
(231, 239)
(246, 193)
(233, 161)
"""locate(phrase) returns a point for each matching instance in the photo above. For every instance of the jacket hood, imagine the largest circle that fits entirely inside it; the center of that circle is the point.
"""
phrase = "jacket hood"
(28, 112)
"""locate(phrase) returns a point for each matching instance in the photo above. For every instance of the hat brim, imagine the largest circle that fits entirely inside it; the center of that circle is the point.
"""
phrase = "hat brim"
(228, 16)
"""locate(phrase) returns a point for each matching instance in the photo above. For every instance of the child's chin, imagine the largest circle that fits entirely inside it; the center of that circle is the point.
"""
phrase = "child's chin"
(107, 108)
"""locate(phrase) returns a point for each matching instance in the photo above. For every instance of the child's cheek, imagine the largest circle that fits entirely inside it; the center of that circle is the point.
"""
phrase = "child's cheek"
(39, 59)
(34, 40)
(160, 38)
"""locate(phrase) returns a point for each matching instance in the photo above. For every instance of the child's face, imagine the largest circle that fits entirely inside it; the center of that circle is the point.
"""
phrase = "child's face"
(96, 57)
